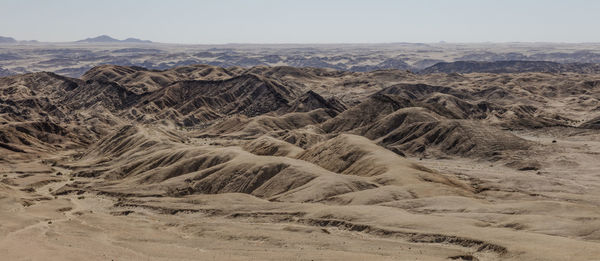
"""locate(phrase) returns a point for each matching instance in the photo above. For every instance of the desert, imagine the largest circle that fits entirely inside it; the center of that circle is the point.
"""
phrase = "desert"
(201, 162)
(251, 130)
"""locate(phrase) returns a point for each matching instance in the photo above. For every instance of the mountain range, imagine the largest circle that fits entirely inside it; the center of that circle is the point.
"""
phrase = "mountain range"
(97, 39)
(108, 39)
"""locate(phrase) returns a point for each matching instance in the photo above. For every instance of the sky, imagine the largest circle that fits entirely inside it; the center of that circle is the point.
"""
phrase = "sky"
(303, 21)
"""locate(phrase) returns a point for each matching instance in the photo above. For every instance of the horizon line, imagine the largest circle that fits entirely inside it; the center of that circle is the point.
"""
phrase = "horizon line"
(82, 41)
(33, 42)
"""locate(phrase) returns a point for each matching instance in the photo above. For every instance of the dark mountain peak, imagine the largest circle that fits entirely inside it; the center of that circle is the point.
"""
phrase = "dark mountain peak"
(135, 40)
(99, 39)
(4, 39)
(108, 39)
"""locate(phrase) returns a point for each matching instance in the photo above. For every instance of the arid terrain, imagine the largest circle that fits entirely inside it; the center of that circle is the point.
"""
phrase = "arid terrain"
(457, 161)
(73, 59)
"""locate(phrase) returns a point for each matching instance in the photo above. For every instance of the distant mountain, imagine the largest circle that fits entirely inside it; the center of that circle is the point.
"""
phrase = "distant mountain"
(10, 40)
(135, 40)
(7, 40)
(511, 67)
(108, 39)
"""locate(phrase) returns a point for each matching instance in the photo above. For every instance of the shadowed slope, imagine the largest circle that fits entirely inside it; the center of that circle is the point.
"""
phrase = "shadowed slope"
(137, 164)
(140, 80)
(358, 156)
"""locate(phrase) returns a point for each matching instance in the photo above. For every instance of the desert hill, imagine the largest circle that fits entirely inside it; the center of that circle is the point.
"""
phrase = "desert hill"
(217, 101)
(512, 66)
(73, 59)
(471, 166)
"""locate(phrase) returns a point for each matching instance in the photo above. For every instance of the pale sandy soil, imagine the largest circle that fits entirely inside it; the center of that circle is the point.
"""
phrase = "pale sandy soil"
(552, 214)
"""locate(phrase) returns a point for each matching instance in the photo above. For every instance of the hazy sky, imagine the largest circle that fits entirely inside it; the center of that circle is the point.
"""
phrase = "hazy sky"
(304, 21)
